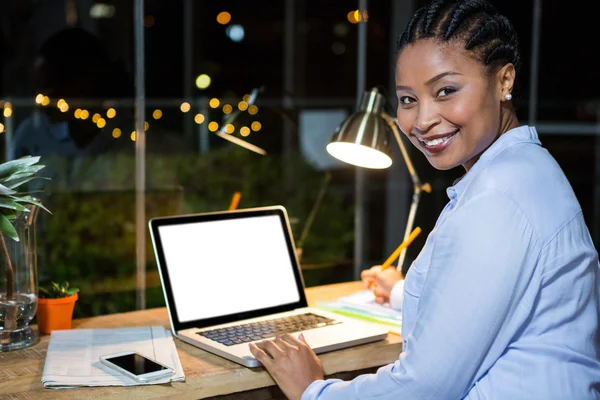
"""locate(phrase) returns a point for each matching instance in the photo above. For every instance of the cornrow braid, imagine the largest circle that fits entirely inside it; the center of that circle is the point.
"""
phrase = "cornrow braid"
(486, 33)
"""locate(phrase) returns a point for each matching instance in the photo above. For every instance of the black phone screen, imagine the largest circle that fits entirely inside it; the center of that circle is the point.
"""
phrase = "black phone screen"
(136, 364)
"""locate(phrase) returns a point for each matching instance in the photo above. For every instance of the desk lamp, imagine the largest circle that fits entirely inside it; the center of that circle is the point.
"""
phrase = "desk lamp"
(363, 140)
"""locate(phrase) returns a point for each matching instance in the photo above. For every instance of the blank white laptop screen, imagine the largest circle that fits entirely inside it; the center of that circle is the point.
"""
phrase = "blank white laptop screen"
(226, 267)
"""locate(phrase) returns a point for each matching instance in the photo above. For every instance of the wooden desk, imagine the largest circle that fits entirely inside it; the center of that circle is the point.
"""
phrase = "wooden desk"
(206, 375)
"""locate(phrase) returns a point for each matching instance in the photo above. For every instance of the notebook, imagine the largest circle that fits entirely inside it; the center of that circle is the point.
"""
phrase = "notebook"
(231, 278)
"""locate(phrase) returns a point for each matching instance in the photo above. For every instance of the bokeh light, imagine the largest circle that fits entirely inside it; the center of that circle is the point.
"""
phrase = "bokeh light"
(223, 18)
(203, 81)
(213, 126)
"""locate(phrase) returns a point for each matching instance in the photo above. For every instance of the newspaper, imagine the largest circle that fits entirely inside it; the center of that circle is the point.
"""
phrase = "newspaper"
(73, 355)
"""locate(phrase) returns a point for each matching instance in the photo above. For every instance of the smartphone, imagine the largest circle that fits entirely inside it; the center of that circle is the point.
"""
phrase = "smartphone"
(136, 366)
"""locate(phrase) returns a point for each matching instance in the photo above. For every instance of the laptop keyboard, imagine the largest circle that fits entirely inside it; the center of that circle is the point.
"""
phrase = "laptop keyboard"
(260, 330)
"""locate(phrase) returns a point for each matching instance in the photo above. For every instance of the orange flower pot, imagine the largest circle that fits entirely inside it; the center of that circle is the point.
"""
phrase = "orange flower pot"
(55, 314)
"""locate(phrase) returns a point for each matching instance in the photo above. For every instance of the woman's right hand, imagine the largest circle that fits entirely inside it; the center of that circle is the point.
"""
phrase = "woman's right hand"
(381, 282)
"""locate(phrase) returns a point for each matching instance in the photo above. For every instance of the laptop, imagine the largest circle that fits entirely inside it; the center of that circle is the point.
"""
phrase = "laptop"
(231, 278)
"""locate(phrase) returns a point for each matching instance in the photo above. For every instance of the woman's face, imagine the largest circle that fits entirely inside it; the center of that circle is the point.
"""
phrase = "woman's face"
(448, 106)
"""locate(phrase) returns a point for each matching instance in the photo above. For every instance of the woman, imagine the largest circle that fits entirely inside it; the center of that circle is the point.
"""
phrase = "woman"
(503, 300)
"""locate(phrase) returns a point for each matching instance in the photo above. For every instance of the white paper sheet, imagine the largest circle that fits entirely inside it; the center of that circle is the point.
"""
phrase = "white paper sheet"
(73, 355)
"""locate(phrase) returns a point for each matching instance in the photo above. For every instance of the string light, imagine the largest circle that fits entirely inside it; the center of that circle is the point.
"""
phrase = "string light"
(213, 126)
(132, 136)
(199, 118)
(101, 123)
(185, 107)
(111, 112)
(229, 128)
(60, 102)
(252, 110)
(39, 98)
(1, 127)
(146, 125)
(214, 103)
(116, 133)
(84, 114)
(78, 113)
(64, 107)
(45, 101)
(95, 118)
(256, 126)
(246, 97)
(157, 114)
(243, 105)
(244, 131)
(227, 109)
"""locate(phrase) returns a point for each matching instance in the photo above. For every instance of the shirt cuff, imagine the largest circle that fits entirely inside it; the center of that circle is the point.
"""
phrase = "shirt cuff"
(397, 295)
(314, 390)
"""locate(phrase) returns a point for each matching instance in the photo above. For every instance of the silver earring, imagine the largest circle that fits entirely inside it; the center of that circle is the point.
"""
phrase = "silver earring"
(508, 96)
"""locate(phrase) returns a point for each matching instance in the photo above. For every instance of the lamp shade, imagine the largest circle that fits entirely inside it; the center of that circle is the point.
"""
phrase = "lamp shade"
(363, 138)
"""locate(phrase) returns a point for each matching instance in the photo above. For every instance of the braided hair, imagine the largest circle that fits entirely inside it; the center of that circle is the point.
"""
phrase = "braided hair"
(487, 34)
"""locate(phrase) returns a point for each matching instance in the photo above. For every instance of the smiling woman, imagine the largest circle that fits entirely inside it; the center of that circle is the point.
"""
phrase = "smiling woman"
(454, 88)
(503, 301)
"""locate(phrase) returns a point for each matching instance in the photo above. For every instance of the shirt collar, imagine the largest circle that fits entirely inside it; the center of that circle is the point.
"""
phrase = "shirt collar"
(521, 134)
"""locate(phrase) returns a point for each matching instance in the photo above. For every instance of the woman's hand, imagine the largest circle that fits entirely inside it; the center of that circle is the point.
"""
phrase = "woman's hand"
(291, 362)
(381, 282)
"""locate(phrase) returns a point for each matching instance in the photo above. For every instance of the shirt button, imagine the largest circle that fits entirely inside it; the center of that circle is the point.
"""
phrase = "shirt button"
(451, 192)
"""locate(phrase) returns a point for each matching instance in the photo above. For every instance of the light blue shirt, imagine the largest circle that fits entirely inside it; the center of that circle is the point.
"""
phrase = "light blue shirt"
(503, 300)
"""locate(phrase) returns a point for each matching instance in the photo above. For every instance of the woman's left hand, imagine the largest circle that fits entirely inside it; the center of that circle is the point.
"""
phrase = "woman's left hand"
(291, 362)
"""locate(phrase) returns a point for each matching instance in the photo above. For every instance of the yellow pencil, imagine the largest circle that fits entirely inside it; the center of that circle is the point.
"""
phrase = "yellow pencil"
(402, 246)
(234, 201)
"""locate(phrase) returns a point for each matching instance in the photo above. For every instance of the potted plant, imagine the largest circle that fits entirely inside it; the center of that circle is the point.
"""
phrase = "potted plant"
(18, 257)
(55, 307)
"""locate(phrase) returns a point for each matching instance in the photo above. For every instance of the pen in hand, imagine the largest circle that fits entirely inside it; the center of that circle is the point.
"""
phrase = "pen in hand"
(397, 252)
(402, 246)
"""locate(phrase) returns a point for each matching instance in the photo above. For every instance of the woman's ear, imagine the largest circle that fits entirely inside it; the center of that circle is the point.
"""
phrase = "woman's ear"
(506, 80)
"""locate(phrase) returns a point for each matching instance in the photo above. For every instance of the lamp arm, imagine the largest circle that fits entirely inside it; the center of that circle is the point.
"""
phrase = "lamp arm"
(411, 169)
(418, 187)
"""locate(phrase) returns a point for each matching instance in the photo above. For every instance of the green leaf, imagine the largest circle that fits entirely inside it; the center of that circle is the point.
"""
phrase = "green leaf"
(73, 291)
(29, 200)
(9, 213)
(12, 205)
(25, 172)
(7, 228)
(10, 167)
(18, 182)
(4, 190)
